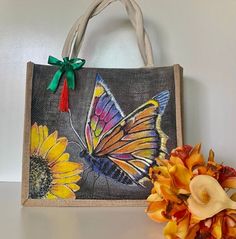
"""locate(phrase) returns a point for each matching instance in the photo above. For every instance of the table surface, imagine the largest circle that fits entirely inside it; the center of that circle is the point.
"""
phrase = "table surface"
(17, 222)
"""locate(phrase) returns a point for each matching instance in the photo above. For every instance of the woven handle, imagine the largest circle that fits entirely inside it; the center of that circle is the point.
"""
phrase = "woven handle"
(76, 35)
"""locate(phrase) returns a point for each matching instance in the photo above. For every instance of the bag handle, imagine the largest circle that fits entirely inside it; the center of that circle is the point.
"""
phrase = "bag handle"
(75, 37)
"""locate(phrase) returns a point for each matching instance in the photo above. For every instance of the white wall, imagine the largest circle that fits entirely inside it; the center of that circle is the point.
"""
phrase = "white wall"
(199, 35)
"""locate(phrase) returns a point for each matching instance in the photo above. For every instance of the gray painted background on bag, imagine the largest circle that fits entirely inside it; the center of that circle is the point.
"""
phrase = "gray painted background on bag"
(130, 87)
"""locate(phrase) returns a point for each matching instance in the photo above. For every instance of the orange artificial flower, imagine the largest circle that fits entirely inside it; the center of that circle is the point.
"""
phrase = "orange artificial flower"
(168, 201)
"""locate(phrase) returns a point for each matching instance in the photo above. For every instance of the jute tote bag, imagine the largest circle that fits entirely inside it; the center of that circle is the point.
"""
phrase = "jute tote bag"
(97, 147)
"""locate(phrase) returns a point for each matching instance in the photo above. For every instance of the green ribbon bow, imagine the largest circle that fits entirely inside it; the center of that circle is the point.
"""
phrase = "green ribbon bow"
(67, 66)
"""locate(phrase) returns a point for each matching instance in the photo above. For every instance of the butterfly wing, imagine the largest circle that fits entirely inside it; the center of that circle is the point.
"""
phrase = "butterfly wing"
(103, 115)
(135, 142)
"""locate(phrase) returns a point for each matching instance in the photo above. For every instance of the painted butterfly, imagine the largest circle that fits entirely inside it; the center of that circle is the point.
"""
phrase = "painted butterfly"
(123, 147)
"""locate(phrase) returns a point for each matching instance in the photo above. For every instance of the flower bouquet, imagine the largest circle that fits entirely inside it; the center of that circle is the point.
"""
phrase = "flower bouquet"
(190, 195)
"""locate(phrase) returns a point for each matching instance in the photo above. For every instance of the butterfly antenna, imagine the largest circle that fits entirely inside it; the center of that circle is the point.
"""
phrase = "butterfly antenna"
(82, 144)
(76, 143)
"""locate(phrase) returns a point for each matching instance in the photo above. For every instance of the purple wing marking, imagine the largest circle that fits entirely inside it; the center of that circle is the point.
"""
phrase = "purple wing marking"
(101, 104)
(123, 156)
(103, 115)
(106, 110)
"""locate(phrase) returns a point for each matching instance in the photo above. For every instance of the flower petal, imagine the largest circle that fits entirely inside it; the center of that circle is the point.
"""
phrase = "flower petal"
(72, 179)
(34, 139)
(170, 230)
(41, 138)
(63, 158)
(168, 194)
(68, 174)
(48, 143)
(175, 160)
(226, 172)
(155, 197)
(45, 132)
(196, 149)
(50, 196)
(233, 197)
(229, 183)
(162, 162)
(65, 167)
(180, 176)
(57, 150)
(211, 157)
(163, 181)
(74, 187)
(193, 231)
(194, 160)
(62, 191)
(182, 152)
(183, 227)
(163, 171)
(231, 232)
(156, 211)
(217, 229)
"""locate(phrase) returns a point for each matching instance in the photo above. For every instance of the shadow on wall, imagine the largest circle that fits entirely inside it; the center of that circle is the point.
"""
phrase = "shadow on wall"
(95, 38)
(157, 38)
(98, 36)
(194, 110)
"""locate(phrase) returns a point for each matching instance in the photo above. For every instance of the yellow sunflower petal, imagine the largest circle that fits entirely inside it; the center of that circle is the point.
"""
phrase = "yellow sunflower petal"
(62, 191)
(57, 150)
(50, 196)
(45, 132)
(41, 137)
(48, 143)
(63, 158)
(68, 174)
(72, 179)
(156, 211)
(181, 176)
(170, 230)
(217, 229)
(229, 183)
(65, 167)
(34, 139)
(74, 187)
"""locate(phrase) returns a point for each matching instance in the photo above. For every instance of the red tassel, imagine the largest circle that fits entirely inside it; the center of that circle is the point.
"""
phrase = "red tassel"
(64, 100)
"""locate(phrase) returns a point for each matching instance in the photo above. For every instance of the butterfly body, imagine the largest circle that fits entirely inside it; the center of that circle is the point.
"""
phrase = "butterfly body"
(104, 166)
(123, 147)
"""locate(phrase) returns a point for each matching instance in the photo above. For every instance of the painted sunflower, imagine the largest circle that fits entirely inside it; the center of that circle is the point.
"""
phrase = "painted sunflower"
(51, 176)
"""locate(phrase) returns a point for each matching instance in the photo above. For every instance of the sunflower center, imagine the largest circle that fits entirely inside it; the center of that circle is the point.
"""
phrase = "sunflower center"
(40, 177)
